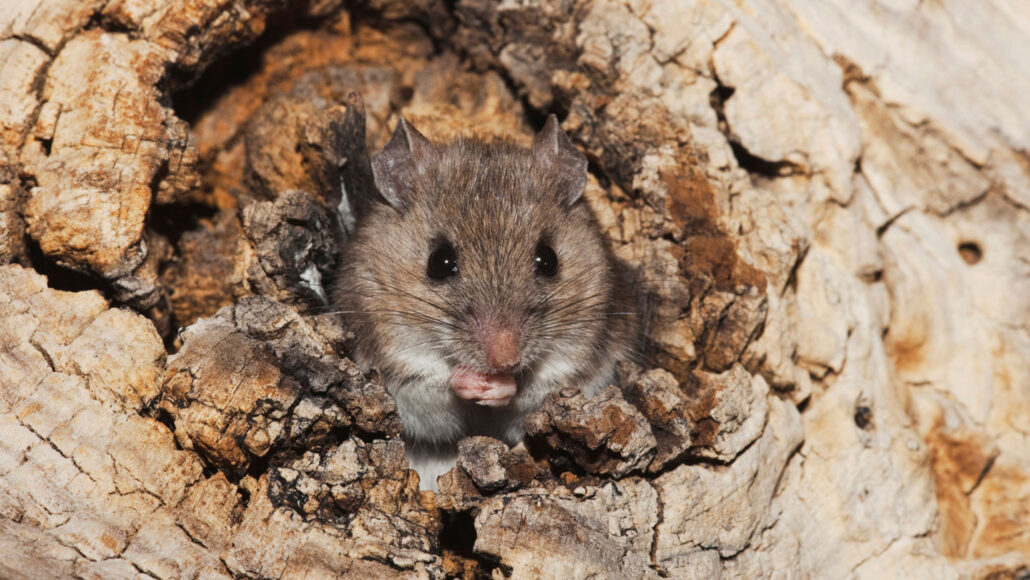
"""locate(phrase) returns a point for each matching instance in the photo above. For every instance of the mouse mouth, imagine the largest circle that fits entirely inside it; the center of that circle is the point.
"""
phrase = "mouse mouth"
(486, 389)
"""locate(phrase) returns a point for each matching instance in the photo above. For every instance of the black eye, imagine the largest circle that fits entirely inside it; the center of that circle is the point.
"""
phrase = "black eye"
(443, 262)
(546, 260)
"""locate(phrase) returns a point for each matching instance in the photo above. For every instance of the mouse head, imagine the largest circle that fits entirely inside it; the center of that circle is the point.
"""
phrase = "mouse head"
(480, 256)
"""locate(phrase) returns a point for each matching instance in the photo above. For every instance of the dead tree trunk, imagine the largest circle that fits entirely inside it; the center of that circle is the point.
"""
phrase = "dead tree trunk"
(829, 200)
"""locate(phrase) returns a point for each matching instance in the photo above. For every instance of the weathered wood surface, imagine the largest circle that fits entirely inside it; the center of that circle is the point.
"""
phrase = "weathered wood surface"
(830, 201)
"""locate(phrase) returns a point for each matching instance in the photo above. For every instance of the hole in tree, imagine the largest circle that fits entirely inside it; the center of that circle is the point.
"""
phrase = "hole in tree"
(719, 96)
(173, 220)
(165, 418)
(60, 277)
(457, 540)
(872, 276)
(863, 417)
(193, 96)
(244, 496)
(259, 466)
(971, 252)
(803, 405)
(755, 164)
(458, 534)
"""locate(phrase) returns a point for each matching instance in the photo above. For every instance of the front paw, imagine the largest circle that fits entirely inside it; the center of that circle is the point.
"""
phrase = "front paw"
(489, 390)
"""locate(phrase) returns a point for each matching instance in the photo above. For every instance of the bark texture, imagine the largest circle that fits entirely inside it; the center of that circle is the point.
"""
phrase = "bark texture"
(828, 202)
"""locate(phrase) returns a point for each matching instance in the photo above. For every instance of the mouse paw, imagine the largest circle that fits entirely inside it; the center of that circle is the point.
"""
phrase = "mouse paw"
(489, 390)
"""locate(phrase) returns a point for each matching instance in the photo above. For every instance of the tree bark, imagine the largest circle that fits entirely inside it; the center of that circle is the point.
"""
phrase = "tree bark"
(828, 202)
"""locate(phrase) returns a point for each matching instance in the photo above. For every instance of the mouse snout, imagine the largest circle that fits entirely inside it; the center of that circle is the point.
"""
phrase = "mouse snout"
(502, 349)
(501, 346)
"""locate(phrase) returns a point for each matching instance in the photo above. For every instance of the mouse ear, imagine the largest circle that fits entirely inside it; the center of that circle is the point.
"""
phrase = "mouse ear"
(553, 151)
(395, 167)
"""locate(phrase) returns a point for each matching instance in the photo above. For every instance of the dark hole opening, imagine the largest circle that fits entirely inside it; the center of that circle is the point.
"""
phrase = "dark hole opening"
(457, 542)
(755, 164)
(458, 533)
(259, 466)
(863, 417)
(719, 96)
(971, 252)
(173, 220)
(193, 96)
(60, 277)
(872, 277)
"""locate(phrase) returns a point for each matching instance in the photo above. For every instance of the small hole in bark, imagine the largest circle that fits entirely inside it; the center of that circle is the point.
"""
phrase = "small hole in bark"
(970, 252)
(720, 95)
(209, 470)
(259, 466)
(173, 220)
(165, 418)
(457, 540)
(557, 461)
(717, 99)
(872, 277)
(803, 404)
(244, 496)
(863, 417)
(458, 533)
(754, 164)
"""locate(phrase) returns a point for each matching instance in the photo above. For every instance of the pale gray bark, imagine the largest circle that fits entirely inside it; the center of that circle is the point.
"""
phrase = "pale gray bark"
(829, 201)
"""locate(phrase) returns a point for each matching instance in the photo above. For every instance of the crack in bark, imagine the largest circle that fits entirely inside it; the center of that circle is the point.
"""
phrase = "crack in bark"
(880, 231)
(659, 520)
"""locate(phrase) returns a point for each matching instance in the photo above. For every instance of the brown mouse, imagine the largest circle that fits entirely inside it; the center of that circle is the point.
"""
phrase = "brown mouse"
(479, 281)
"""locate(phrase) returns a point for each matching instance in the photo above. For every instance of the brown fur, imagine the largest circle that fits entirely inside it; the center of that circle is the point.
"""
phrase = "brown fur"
(493, 202)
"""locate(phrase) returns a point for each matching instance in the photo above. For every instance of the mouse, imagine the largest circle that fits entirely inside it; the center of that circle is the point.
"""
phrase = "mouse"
(476, 282)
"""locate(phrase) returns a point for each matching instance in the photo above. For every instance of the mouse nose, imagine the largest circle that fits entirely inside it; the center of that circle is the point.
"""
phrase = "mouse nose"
(502, 349)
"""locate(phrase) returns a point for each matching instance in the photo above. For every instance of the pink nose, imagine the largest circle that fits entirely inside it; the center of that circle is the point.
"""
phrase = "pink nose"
(502, 349)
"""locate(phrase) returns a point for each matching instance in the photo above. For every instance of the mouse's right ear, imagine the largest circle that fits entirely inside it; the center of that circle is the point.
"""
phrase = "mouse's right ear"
(395, 167)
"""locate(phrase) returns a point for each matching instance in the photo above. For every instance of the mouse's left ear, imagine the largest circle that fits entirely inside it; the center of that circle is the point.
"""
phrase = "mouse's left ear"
(395, 167)
(553, 151)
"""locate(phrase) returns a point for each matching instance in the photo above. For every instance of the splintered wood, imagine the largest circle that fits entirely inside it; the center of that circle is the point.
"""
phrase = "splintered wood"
(828, 211)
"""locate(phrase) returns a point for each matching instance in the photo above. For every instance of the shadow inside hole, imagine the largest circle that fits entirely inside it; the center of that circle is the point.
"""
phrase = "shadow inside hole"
(60, 277)
(193, 96)
(971, 252)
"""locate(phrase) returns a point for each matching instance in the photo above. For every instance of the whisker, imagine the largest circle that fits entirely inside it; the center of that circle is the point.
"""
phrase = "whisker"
(443, 308)
(417, 316)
